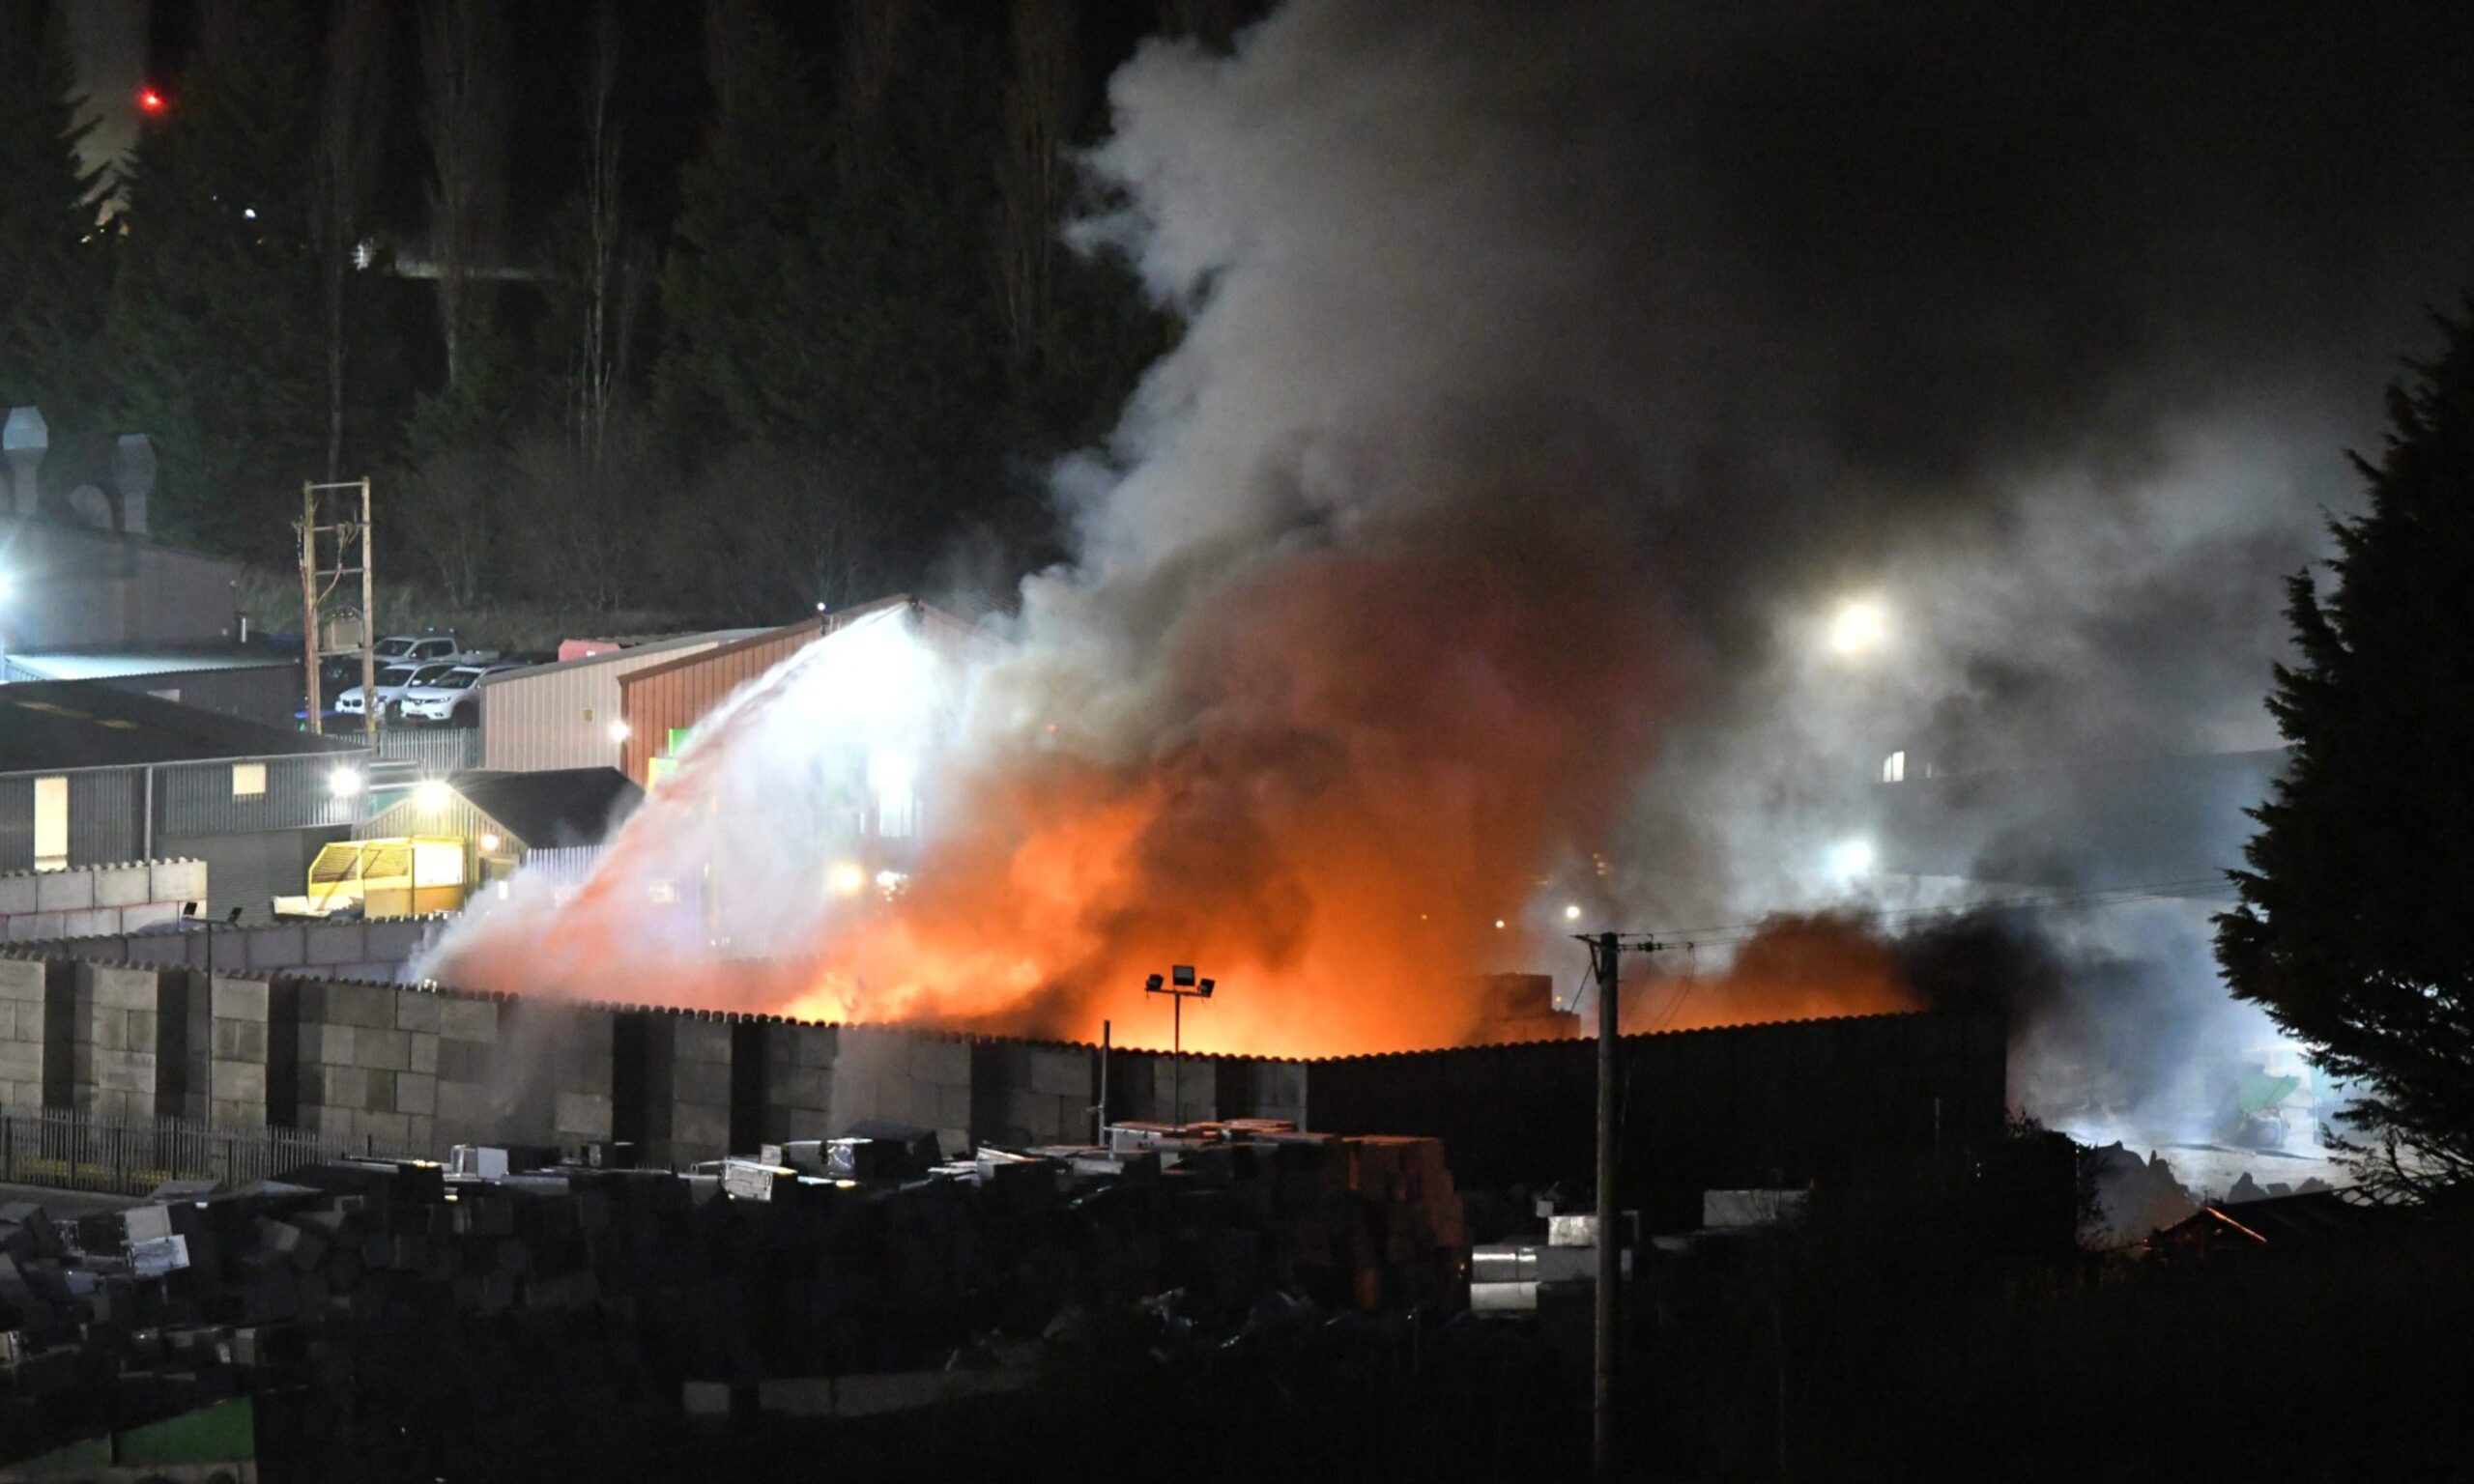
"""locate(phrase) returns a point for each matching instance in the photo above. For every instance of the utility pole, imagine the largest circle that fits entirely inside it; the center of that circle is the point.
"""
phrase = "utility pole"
(339, 513)
(1605, 954)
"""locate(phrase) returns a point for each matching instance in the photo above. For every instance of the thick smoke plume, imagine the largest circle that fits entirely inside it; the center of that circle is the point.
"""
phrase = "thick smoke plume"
(1551, 373)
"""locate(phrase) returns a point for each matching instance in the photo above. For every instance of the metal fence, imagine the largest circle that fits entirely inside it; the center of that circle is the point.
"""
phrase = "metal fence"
(434, 751)
(65, 1148)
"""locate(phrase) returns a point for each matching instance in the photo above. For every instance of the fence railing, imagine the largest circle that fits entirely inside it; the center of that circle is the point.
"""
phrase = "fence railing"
(434, 751)
(67, 1149)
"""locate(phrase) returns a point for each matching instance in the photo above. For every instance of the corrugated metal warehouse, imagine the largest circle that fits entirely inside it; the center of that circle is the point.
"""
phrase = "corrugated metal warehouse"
(90, 775)
(256, 683)
(661, 701)
(561, 715)
(73, 586)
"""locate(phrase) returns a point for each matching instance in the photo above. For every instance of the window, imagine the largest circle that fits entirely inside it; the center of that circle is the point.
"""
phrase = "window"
(248, 780)
(1894, 768)
(51, 824)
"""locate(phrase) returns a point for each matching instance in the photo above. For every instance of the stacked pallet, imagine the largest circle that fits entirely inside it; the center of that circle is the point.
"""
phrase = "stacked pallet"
(356, 1279)
(1365, 1222)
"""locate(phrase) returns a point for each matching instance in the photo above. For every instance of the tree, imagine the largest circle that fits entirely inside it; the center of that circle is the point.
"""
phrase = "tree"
(2352, 929)
(830, 288)
(52, 262)
(465, 120)
(214, 327)
(351, 131)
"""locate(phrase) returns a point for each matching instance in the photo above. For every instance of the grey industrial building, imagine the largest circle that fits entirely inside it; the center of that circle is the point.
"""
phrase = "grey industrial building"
(91, 774)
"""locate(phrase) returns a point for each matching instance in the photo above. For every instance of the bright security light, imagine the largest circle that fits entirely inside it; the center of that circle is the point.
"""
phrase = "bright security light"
(1859, 627)
(431, 794)
(845, 878)
(343, 783)
(490, 842)
(1572, 913)
(1851, 858)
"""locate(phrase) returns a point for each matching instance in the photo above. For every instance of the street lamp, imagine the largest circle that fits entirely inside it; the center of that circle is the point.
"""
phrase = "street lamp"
(1181, 986)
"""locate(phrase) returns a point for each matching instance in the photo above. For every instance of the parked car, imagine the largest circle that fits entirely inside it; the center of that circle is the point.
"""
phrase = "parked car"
(446, 697)
(392, 681)
(413, 648)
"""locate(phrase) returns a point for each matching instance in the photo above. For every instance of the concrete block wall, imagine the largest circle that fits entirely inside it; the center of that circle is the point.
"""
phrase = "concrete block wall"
(580, 1088)
(798, 1080)
(21, 1033)
(464, 1061)
(687, 1087)
(127, 1042)
(382, 951)
(412, 1070)
(364, 1064)
(1027, 1093)
(240, 1047)
(900, 1076)
(93, 900)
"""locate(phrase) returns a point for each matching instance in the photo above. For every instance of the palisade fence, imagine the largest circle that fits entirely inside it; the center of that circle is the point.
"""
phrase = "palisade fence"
(67, 1149)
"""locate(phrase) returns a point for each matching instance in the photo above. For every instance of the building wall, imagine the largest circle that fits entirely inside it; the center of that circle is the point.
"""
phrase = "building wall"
(269, 694)
(658, 698)
(558, 716)
(74, 586)
(249, 871)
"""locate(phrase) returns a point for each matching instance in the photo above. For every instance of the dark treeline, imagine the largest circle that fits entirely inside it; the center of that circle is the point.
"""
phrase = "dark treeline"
(627, 306)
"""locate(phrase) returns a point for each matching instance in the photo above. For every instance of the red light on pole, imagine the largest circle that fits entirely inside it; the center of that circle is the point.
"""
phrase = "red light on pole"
(150, 101)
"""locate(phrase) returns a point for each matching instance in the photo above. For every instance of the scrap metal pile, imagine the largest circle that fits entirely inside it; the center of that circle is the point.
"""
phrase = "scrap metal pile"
(848, 1257)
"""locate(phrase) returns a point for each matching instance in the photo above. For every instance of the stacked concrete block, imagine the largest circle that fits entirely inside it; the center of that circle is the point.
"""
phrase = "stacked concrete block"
(1029, 1094)
(239, 1052)
(799, 1081)
(1148, 1087)
(21, 1033)
(901, 1077)
(463, 1060)
(579, 1067)
(366, 1069)
(126, 1043)
(687, 1087)
(177, 881)
(1247, 1087)
(95, 901)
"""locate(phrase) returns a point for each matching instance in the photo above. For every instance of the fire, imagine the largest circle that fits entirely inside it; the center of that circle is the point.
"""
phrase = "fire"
(1355, 768)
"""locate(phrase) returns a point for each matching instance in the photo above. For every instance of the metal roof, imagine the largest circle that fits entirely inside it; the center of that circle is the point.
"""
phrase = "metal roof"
(659, 646)
(553, 809)
(120, 664)
(56, 726)
(820, 624)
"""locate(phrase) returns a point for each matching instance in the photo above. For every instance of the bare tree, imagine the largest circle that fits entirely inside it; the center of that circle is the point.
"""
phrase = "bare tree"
(351, 133)
(464, 64)
(1032, 175)
(872, 37)
(772, 530)
(451, 517)
(615, 272)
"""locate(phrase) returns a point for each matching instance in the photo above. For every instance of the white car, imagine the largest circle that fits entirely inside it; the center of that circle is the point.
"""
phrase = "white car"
(393, 682)
(416, 648)
(442, 697)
